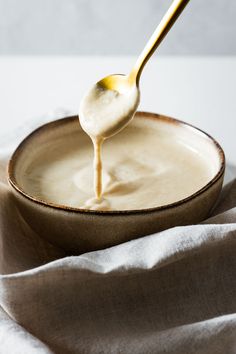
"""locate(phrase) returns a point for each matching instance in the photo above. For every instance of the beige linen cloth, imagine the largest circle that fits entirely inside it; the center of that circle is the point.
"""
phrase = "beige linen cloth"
(171, 292)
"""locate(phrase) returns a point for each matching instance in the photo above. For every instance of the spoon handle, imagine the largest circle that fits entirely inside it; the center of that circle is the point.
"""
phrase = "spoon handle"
(161, 31)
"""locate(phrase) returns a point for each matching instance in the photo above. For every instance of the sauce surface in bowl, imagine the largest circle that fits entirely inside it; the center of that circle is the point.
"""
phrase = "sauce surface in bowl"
(153, 162)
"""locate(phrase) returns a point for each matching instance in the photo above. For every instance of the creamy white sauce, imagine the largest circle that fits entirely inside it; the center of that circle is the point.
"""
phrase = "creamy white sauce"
(144, 166)
(103, 113)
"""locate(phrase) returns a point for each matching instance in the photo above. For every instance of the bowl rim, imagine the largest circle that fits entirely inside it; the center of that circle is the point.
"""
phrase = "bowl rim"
(67, 120)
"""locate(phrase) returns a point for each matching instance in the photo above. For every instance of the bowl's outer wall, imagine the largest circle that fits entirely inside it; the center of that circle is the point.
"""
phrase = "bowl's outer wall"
(78, 232)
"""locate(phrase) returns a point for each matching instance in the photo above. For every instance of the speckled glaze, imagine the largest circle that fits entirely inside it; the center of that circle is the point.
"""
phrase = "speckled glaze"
(78, 230)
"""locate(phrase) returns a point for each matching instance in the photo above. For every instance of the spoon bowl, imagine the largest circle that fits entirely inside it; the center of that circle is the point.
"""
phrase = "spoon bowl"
(117, 82)
(108, 106)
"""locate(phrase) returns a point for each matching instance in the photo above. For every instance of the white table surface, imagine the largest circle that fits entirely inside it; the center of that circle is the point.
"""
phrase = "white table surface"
(199, 90)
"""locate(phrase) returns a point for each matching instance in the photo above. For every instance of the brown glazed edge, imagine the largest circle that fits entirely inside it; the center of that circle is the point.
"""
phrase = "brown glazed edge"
(150, 115)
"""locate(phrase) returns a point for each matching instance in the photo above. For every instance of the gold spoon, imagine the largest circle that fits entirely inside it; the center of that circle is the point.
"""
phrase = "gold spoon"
(121, 83)
(111, 103)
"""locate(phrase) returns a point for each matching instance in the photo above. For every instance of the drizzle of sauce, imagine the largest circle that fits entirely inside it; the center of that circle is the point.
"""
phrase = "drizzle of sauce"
(97, 145)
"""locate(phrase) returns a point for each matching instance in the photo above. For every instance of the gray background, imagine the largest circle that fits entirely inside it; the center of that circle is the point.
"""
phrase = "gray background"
(101, 27)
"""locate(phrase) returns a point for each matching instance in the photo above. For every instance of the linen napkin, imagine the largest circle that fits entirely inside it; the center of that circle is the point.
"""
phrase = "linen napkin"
(170, 292)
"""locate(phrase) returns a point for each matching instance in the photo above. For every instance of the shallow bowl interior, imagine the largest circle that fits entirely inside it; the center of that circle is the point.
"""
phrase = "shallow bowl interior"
(49, 136)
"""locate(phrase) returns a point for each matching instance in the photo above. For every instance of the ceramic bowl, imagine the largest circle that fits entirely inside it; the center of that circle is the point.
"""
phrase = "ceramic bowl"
(79, 230)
